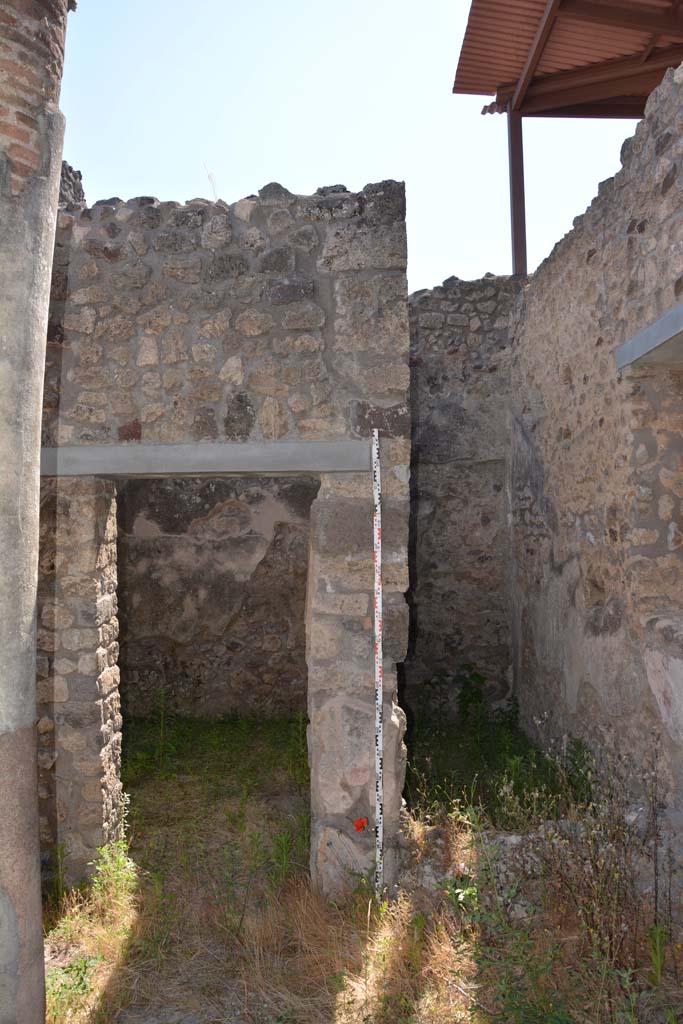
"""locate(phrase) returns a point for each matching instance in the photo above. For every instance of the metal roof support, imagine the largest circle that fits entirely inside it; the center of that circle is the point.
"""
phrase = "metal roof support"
(517, 201)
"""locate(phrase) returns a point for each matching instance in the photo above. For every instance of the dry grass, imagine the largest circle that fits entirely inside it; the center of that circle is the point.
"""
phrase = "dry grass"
(309, 962)
(211, 911)
(87, 938)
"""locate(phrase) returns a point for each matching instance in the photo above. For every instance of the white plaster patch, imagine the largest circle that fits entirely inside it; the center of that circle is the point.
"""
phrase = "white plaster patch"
(665, 677)
(143, 527)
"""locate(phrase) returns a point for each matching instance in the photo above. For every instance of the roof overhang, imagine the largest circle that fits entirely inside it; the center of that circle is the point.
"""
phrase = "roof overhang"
(569, 58)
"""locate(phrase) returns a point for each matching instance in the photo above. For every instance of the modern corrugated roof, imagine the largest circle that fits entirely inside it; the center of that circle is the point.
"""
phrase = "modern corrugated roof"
(596, 57)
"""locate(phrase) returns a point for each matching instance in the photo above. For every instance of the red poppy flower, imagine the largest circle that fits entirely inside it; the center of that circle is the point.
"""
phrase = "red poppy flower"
(360, 824)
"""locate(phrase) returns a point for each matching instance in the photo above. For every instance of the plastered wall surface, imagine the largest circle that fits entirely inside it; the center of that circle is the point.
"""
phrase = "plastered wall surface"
(596, 469)
(212, 595)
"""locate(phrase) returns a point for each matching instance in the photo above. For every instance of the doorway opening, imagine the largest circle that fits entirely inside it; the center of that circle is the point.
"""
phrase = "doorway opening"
(212, 592)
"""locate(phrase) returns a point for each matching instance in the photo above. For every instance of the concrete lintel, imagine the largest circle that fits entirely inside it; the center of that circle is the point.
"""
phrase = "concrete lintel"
(229, 459)
(660, 344)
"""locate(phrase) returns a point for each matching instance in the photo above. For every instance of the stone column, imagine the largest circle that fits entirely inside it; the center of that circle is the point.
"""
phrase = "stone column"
(339, 633)
(78, 677)
(31, 130)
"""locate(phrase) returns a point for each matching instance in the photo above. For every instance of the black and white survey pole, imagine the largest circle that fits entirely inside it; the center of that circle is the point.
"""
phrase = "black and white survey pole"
(379, 668)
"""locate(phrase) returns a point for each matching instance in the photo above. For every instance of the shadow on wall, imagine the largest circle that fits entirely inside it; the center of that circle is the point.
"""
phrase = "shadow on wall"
(212, 593)
(460, 390)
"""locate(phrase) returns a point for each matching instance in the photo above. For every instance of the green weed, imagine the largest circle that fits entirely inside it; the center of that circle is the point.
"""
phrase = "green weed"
(484, 762)
(115, 874)
(658, 938)
(58, 862)
(66, 987)
(462, 894)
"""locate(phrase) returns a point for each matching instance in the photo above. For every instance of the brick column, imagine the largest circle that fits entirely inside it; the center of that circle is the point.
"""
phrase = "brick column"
(31, 130)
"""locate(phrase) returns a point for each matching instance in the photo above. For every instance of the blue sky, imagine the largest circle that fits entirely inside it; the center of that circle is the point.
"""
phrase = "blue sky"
(318, 93)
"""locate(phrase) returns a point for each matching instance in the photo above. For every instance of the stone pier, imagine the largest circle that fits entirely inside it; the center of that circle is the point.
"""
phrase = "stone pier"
(79, 724)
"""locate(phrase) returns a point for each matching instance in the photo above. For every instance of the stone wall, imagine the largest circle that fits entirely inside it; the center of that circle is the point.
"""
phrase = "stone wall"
(596, 471)
(547, 487)
(70, 185)
(272, 318)
(212, 595)
(281, 317)
(79, 727)
(460, 392)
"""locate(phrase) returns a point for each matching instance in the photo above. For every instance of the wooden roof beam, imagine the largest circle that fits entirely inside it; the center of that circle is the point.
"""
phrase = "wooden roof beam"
(623, 67)
(636, 84)
(594, 73)
(624, 15)
(536, 52)
(631, 107)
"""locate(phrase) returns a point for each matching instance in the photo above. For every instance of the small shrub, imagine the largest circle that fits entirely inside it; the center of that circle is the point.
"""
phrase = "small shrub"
(115, 878)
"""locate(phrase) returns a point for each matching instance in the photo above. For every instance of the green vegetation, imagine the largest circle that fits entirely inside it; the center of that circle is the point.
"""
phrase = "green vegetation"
(227, 753)
(207, 907)
(487, 764)
(560, 935)
(85, 933)
(218, 827)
